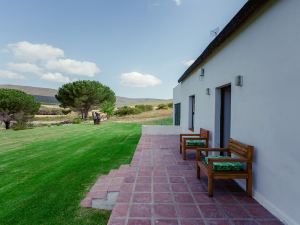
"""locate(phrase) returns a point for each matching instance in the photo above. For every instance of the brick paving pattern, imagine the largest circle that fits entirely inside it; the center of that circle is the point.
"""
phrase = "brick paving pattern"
(159, 188)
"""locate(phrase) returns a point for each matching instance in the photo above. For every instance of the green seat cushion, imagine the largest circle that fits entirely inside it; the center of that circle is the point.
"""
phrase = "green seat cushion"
(198, 143)
(224, 166)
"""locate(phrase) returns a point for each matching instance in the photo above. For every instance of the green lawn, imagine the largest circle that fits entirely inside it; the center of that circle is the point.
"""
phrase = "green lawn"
(165, 121)
(45, 172)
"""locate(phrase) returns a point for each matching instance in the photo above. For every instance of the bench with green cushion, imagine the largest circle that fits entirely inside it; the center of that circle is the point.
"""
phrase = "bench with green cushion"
(224, 166)
(239, 166)
(197, 143)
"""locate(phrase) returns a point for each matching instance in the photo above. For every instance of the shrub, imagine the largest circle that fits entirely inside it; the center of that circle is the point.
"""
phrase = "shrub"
(144, 108)
(162, 106)
(50, 111)
(126, 110)
(19, 125)
(76, 121)
(108, 108)
(66, 111)
(170, 105)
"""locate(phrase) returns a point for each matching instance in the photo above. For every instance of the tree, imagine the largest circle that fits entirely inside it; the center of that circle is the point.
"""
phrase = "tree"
(162, 106)
(108, 108)
(84, 95)
(16, 105)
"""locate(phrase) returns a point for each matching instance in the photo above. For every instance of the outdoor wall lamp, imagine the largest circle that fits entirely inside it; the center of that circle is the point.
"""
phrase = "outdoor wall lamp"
(239, 81)
(202, 72)
(207, 91)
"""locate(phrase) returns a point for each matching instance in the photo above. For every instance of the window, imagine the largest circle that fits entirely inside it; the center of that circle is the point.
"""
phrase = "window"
(177, 114)
(191, 112)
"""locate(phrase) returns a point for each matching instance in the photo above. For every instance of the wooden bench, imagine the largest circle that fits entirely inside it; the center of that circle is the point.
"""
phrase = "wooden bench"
(242, 154)
(203, 135)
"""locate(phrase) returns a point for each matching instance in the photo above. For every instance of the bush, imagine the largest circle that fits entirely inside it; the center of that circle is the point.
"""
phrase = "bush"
(170, 105)
(108, 108)
(126, 110)
(50, 111)
(19, 125)
(162, 106)
(76, 121)
(66, 111)
(144, 108)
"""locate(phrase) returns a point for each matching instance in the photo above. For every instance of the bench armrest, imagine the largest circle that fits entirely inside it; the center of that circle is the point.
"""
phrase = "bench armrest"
(189, 135)
(206, 150)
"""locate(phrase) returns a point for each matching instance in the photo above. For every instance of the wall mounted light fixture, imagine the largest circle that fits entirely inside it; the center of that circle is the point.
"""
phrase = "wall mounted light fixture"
(202, 72)
(239, 81)
(207, 91)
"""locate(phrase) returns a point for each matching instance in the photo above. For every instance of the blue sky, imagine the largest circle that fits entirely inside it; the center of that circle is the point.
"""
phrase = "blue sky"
(137, 47)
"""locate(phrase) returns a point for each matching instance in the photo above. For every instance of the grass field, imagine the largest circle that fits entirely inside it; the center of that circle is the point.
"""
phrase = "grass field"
(46, 171)
(145, 116)
(164, 121)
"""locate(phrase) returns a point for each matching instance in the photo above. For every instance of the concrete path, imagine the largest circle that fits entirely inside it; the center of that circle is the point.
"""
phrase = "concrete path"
(159, 188)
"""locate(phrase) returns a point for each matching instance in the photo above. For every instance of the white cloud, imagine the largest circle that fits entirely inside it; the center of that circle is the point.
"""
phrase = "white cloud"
(71, 66)
(45, 61)
(11, 75)
(34, 52)
(178, 2)
(55, 77)
(136, 79)
(188, 62)
(26, 68)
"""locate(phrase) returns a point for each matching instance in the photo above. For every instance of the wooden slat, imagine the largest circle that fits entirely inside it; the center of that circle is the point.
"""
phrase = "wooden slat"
(238, 148)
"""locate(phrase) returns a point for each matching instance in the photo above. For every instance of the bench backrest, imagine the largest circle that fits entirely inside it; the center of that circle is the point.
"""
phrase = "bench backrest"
(240, 149)
(204, 133)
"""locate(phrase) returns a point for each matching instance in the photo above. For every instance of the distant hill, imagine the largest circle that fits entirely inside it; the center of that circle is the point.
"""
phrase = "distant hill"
(47, 96)
(122, 101)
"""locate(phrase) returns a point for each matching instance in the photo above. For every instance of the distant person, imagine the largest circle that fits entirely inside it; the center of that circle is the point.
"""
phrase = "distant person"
(94, 117)
(98, 118)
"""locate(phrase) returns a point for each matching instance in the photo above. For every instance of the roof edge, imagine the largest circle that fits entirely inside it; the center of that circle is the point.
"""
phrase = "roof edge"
(234, 24)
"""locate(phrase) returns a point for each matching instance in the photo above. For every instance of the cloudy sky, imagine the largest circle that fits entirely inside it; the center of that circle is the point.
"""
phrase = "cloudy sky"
(137, 47)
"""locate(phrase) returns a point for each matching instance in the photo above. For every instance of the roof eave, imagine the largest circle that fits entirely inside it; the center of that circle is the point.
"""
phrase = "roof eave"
(235, 23)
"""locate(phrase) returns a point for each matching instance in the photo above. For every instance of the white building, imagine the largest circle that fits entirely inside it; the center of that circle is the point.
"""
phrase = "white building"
(260, 47)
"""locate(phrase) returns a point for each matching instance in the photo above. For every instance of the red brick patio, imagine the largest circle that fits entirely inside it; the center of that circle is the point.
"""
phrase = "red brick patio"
(159, 188)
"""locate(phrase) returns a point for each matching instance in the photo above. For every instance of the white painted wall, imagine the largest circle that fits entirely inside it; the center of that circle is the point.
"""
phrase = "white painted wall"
(265, 112)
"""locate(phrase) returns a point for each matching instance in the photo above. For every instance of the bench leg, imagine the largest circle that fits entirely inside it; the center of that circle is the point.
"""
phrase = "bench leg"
(198, 170)
(180, 147)
(184, 153)
(210, 186)
(249, 181)
(249, 186)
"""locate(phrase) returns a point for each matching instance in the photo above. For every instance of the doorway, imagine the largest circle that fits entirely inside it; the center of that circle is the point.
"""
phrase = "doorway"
(225, 115)
(177, 114)
(191, 112)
